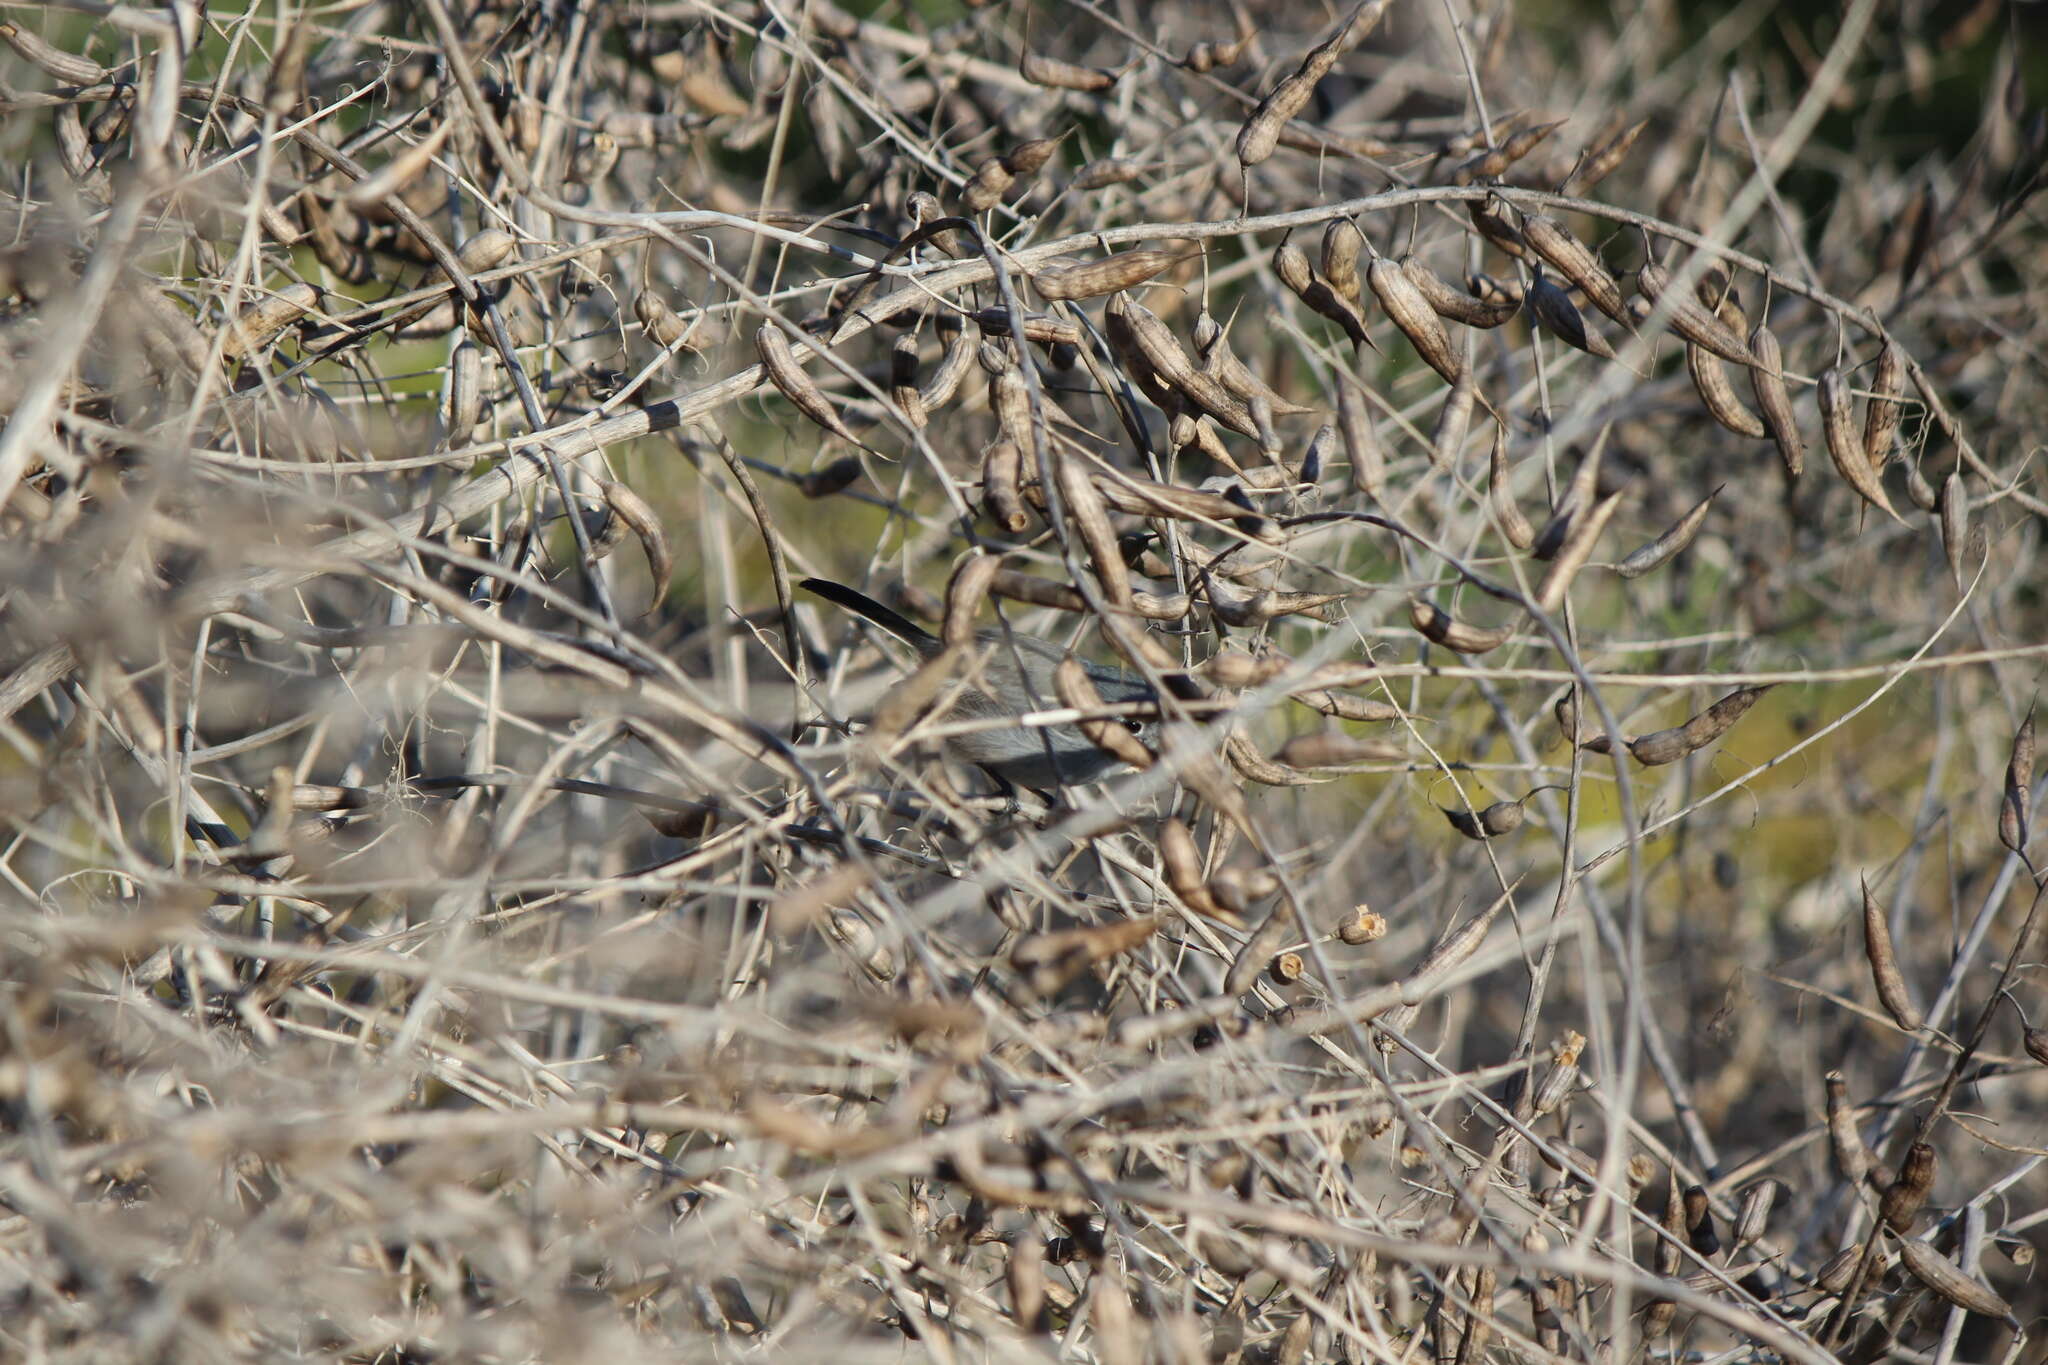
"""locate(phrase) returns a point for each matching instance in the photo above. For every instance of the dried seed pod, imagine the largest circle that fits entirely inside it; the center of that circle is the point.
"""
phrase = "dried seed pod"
(1554, 308)
(1502, 817)
(1092, 279)
(1213, 346)
(1058, 75)
(1455, 304)
(659, 320)
(1361, 441)
(257, 325)
(1902, 1200)
(771, 343)
(1286, 969)
(1362, 926)
(1573, 554)
(1918, 489)
(1002, 468)
(1494, 164)
(987, 186)
(1710, 378)
(1342, 245)
(1689, 318)
(1567, 713)
(903, 380)
(1604, 160)
(1038, 327)
(1710, 724)
(1754, 1213)
(1028, 158)
(1845, 445)
(630, 508)
(2015, 807)
(1948, 1281)
(66, 67)
(1155, 342)
(1699, 1221)
(1260, 135)
(1507, 514)
(486, 250)
(1577, 494)
(1955, 522)
(1496, 223)
(1109, 170)
(2035, 1041)
(593, 159)
(1182, 864)
(1660, 747)
(1773, 401)
(1411, 313)
(1853, 1161)
(1076, 689)
(1574, 260)
(954, 363)
(465, 391)
(1661, 551)
(1454, 421)
(1884, 965)
(1439, 627)
(1881, 415)
(1291, 264)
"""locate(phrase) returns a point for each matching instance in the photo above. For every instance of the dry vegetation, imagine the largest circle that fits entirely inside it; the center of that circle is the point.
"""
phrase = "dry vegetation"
(437, 926)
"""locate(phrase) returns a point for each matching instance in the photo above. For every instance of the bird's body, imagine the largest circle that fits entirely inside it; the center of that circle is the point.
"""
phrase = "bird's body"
(1019, 672)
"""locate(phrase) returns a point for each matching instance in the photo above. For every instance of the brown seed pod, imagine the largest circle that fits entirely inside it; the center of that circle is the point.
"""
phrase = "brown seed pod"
(1027, 159)
(1207, 56)
(486, 250)
(465, 391)
(1182, 863)
(1361, 441)
(1903, 1199)
(954, 363)
(1574, 260)
(1689, 318)
(1918, 489)
(1002, 468)
(1573, 554)
(903, 380)
(1507, 514)
(1164, 357)
(2036, 1043)
(1109, 170)
(1038, 327)
(257, 325)
(1260, 135)
(1411, 313)
(1496, 223)
(593, 159)
(1773, 401)
(771, 343)
(1554, 308)
(1362, 926)
(1494, 164)
(1502, 817)
(1955, 522)
(1948, 1281)
(1660, 747)
(1853, 1160)
(1881, 415)
(1213, 346)
(1753, 1215)
(1439, 627)
(1845, 445)
(1093, 279)
(1454, 303)
(1661, 551)
(1884, 965)
(1076, 689)
(987, 186)
(2015, 807)
(1710, 724)
(1710, 378)
(1343, 243)
(1454, 421)
(1286, 969)
(630, 508)
(1290, 262)
(1058, 75)
(1603, 160)
(1577, 495)
(1567, 713)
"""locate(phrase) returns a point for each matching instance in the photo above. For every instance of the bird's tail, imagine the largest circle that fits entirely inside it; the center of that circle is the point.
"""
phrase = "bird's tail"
(860, 604)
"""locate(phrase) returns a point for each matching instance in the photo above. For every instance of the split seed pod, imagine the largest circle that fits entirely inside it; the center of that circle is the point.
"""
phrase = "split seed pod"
(1573, 554)
(1845, 444)
(1881, 416)
(2015, 808)
(1661, 551)
(1884, 965)
(1773, 401)
(1439, 627)
(1411, 313)
(1290, 263)
(771, 343)
(1574, 260)
(1710, 378)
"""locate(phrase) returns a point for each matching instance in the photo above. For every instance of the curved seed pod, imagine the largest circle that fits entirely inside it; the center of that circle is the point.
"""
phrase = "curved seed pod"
(1496, 223)
(395, 175)
(2036, 1043)
(1213, 346)
(1454, 303)
(1502, 817)
(1710, 378)
(1092, 279)
(1439, 627)
(954, 363)
(1853, 1159)
(54, 62)
(1318, 453)
(1181, 861)
(1660, 747)
(465, 391)
(1710, 724)
(1492, 165)
(1029, 158)
(1886, 976)
(1507, 514)
(1577, 494)
(1753, 1215)
(1361, 442)
(987, 186)
(1690, 319)
(630, 508)
(1919, 490)
(1845, 444)
(1955, 522)
(1567, 713)
(1411, 313)
(2015, 808)
(1574, 260)
(594, 158)
(903, 380)
(1661, 551)
(1948, 1281)
(771, 343)
(1552, 307)
(1155, 341)
(1605, 159)
(257, 325)
(1059, 75)
(1573, 554)
(1773, 401)
(1290, 262)
(1454, 421)
(1881, 415)
(1260, 135)
(1343, 243)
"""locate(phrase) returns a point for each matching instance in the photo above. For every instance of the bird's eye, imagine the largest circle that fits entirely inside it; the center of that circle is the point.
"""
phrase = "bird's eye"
(1134, 725)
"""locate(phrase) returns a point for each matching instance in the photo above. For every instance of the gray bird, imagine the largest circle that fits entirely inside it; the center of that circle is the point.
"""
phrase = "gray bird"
(1039, 757)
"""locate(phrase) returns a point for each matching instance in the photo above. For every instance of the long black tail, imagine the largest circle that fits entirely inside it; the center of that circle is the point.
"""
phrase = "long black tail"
(860, 604)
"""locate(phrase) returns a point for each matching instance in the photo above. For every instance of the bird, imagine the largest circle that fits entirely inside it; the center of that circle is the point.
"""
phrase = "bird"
(1018, 669)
